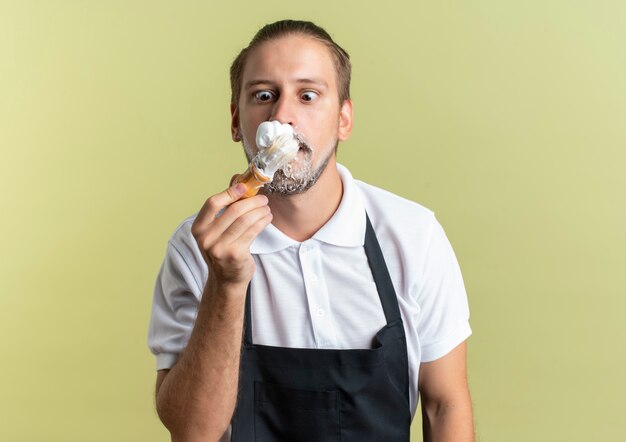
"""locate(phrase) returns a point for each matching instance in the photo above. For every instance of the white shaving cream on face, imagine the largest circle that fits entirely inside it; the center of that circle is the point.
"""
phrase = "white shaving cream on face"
(268, 131)
(278, 146)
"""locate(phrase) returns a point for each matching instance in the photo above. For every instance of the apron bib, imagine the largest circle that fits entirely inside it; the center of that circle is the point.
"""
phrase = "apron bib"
(318, 395)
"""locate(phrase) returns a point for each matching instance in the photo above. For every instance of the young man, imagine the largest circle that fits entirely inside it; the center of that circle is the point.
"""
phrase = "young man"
(349, 299)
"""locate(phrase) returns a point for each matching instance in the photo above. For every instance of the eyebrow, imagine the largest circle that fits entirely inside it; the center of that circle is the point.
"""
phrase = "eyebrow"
(313, 81)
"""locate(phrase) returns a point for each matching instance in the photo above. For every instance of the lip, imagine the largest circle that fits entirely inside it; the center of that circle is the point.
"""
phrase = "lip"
(302, 144)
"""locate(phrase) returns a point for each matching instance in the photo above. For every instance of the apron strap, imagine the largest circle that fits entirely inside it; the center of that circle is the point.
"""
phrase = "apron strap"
(247, 320)
(376, 260)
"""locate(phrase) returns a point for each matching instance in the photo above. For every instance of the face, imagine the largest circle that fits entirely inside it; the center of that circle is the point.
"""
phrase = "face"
(293, 80)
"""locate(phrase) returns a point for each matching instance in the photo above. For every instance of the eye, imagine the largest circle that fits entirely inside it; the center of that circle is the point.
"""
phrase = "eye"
(309, 96)
(264, 96)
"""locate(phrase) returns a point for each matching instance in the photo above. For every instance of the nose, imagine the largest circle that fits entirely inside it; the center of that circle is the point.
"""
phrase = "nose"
(283, 111)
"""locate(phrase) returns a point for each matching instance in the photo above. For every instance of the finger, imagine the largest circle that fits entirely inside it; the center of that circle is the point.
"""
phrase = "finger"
(241, 236)
(234, 211)
(214, 204)
(239, 227)
(233, 178)
(210, 233)
(243, 206)
(249, 235)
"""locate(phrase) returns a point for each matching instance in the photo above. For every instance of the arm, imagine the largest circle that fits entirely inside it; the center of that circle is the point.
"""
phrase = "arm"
(196, 398)
(446, 402)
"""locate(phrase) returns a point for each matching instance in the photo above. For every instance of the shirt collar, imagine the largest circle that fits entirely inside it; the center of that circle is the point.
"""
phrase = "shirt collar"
(346, 228)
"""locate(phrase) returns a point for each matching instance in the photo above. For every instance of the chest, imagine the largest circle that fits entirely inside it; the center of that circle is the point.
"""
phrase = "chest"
(315, 295)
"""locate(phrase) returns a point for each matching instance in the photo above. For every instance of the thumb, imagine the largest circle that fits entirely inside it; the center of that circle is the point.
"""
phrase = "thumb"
(235, 191)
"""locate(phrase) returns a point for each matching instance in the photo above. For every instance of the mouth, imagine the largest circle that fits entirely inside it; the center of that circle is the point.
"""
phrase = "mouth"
(303, 146)
(301, 157)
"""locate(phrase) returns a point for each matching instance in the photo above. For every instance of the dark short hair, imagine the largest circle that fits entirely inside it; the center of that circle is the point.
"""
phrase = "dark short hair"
(285, 28)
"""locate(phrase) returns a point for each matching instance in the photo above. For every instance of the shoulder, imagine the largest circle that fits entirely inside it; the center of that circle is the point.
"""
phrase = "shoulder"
(182, 239)
(184, 254)
(394, 215)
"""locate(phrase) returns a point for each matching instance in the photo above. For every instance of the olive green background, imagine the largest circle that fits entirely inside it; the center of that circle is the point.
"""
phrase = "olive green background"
(505, 118)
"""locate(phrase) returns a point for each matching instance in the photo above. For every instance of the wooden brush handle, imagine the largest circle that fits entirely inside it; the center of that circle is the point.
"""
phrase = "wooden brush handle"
(253, 179)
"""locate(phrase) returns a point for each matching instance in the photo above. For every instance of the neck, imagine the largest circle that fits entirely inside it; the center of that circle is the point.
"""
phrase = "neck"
(300, 216)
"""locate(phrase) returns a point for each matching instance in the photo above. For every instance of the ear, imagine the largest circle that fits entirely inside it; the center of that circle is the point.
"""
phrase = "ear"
(234, 123)
(345, 121)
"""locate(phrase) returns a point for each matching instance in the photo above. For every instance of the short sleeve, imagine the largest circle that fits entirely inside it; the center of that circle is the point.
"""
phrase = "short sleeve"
(444, 309)
(174, 308)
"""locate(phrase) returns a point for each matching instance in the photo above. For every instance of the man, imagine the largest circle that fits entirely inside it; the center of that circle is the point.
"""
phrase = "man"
(348, 298)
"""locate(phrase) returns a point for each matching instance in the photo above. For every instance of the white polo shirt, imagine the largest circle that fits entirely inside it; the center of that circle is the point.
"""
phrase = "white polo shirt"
(320, 293)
